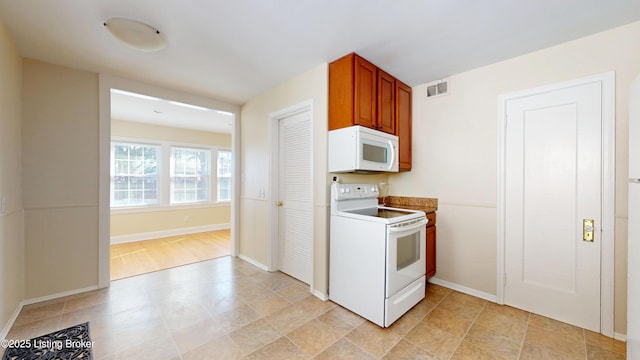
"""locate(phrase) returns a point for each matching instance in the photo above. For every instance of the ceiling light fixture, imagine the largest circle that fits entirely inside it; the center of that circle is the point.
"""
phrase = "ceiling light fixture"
(136, 34)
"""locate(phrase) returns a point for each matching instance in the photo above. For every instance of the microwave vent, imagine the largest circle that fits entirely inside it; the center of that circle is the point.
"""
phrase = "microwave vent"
(437, 88)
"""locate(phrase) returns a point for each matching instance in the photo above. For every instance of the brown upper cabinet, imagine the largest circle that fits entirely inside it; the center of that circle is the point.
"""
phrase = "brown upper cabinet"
(386, 103)
(403, 124)
(352, 93)
(362, 94)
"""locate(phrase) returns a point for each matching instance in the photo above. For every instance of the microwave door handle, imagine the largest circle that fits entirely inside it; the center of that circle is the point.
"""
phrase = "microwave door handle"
(393, 155)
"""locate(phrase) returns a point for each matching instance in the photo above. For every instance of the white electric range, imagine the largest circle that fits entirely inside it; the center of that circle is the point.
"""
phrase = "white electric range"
(376, 254)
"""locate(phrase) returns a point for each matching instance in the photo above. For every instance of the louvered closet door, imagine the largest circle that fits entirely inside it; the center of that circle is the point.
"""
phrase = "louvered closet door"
(295, 214)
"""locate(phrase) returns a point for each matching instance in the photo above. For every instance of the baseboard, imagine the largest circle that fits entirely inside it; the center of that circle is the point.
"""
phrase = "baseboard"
(463, 289)
(320, 295)
(620, 337)
(22, 304)
(121, 239)
(12, 320)
(253, 262)
(58, 295)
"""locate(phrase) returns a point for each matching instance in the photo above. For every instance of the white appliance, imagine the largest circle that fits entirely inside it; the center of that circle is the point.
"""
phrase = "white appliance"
(360, 149)
(377, 254)
(633, 247)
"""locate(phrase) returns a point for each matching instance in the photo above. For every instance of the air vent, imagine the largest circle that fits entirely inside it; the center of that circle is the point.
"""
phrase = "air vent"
(438, 88)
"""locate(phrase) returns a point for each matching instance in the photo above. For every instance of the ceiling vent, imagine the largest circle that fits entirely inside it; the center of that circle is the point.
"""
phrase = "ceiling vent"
(438, 88)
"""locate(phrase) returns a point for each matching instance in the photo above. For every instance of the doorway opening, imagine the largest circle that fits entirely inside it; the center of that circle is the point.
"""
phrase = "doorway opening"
(170, 183)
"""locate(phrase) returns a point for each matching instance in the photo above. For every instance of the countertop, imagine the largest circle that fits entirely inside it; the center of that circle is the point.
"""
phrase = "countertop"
(413, 203)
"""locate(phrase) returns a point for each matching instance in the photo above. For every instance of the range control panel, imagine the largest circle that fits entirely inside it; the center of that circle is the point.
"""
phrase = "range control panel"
(355, 191)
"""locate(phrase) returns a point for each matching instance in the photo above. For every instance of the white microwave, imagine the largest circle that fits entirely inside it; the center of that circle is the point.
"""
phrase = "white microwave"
(359, 149)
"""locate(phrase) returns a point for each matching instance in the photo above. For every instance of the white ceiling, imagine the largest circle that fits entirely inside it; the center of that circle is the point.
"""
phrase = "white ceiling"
(234, 50)
(151, 110)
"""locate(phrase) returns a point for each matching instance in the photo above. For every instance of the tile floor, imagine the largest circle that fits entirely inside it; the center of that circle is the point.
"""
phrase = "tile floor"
(226, 308)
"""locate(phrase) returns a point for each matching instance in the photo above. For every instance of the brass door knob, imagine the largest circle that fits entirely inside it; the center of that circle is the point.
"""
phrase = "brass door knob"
(279, 203)
(587, 230)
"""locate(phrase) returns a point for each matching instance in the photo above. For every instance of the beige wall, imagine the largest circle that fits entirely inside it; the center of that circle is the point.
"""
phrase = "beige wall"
(255, 160)
(456, 157)
(11, 221)
(60, 178)
(120, 127)
(149, 224)
(155, 222)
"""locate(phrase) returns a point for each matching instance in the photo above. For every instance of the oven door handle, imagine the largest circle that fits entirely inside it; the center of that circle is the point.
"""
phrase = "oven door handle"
(399, 228)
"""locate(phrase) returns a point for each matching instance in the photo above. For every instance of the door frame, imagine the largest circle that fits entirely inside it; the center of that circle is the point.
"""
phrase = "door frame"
(274, 179)
(607, 81)
(106, 82)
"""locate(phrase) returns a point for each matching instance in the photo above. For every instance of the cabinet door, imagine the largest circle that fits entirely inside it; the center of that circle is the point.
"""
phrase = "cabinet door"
(431, 251)
(403, 121)
(341, 90)
(365, 93)
(386, 119)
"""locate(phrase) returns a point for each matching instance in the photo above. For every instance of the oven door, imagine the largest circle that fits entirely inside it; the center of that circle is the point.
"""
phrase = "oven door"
(406, 254)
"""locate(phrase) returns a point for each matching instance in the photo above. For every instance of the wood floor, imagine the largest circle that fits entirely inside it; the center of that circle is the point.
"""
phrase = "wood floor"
(141, 257)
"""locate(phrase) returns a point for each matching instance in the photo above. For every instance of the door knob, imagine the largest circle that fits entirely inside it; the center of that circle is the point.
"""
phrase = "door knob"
(587, 230)
(279, 203)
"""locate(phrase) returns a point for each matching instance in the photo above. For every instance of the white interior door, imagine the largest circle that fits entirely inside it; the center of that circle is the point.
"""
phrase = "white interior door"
(553, 174)
(633, 249)
(295, 214)
(633, 274)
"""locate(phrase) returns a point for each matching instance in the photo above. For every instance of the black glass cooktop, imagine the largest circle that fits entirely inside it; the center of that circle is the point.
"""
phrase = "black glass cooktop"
(381, 213)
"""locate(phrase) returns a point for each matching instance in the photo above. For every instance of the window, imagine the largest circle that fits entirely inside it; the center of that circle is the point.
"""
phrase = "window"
(190, 175)
(134, 175)
(224, 175)
(163, 174)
